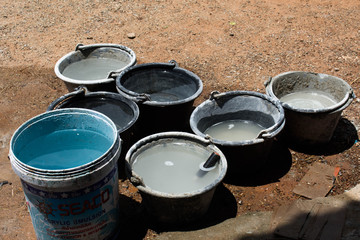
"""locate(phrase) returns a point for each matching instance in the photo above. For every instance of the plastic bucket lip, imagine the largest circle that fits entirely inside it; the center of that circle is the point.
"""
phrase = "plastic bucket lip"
(130, 52)
(66, 179)
(84, 94)
(158, 66)
(62, 172)
(180, 136)
(349, 96)
(273, 130)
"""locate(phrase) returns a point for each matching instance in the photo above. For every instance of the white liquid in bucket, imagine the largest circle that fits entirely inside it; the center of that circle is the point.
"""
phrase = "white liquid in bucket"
(93, 68)
(234, 130)
(64, 149)
(174, 168)
(309, 100)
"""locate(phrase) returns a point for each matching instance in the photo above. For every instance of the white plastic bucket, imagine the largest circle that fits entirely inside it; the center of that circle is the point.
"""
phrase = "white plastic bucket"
(70, 195)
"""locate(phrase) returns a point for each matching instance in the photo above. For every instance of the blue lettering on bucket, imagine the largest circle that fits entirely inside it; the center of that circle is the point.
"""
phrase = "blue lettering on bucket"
(80, 214)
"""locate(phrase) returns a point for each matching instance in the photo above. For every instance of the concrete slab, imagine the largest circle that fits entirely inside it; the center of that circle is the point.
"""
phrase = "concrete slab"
(257, 225)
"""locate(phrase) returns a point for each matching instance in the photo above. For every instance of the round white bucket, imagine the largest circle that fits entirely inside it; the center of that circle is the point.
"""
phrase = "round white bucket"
(67, 162)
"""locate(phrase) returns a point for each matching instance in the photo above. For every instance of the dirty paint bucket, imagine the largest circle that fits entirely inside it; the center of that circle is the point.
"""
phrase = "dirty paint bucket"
(67, 162)
(313, 114)
(165, 167)
(164, 92)
(235, 112)
(94, 66)
(122, 111)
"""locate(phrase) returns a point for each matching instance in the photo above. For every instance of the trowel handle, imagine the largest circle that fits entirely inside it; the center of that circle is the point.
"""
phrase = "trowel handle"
(212, 160)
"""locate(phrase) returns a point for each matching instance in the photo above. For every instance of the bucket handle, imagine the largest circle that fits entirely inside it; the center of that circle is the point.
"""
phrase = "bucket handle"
(140, 97)
(349, 95)
(113, 74)
(81, 47)
(79, 91)
(267, 82)
(136, 180)
(214, 95)
(137, 97)
(174, 63)
(267, 133)
(87, 49)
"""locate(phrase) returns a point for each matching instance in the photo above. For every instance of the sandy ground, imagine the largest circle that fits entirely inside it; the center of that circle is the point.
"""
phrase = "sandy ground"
(230, 45)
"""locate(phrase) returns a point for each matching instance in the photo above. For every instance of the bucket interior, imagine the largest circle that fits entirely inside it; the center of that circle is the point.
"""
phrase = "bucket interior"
(121, 111)
(63, 139)
(234, 106)
(333, 89)
(171, 166)
(161, 83)
(94, 63)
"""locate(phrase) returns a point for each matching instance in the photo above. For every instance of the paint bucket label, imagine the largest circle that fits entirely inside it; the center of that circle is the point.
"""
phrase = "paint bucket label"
(85, 213)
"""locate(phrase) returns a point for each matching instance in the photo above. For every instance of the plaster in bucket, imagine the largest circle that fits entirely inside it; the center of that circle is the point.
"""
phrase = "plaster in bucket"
(94, 66)
(67, 162)
(242, 124)
(313, 103)
(165, 167)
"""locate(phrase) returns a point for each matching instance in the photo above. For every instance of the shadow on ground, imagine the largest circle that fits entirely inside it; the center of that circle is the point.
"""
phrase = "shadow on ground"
(344, 137)
(276, 166)
(135, 221)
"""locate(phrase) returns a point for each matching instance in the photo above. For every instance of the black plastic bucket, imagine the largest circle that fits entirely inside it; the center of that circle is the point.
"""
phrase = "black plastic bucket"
(122, 111)
(174, 207)
(242, 155)
(309, 126)
(165, 94)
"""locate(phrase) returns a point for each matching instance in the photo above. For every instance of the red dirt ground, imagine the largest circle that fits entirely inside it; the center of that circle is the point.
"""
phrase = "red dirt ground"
(230, 45)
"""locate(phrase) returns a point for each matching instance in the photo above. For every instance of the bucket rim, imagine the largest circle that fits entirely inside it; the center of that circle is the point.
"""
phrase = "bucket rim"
(349, 95)
(263, 135)
(142, 97)
(129, 51)
(60, 172)
(133, 177)
(84, 93)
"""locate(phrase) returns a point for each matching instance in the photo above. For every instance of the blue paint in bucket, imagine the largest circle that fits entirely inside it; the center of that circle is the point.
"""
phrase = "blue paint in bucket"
(66, 149)
(67, 162)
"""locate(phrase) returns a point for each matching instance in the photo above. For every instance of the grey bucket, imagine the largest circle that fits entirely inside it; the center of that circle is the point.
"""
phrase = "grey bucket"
(113, 58)
(122, 111)
(247, 155)
(174, 209)
(307, 127)
(164, 92)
